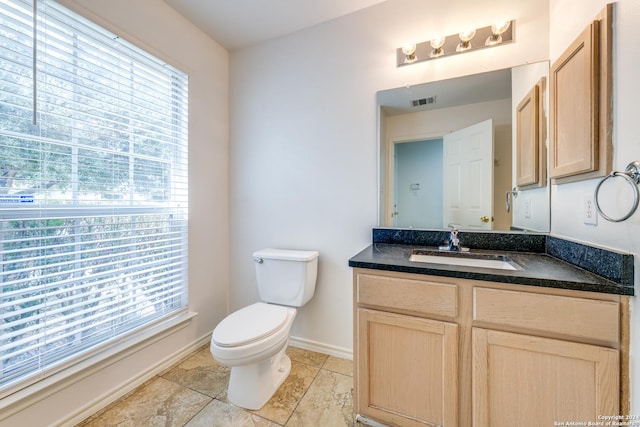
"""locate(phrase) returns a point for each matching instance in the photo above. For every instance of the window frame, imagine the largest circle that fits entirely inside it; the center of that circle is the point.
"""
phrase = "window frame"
(103, 354)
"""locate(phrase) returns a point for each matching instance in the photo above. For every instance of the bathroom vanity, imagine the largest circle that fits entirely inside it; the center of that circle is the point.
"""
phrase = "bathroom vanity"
(457, 345)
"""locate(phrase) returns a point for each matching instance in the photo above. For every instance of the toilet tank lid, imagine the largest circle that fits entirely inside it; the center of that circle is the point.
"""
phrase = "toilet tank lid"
(286, 254)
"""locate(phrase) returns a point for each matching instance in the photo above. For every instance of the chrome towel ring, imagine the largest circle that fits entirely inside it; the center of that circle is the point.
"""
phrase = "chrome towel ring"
(632, 175)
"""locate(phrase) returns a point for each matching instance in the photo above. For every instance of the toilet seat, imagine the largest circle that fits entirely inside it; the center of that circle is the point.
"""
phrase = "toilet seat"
(250, 324)
(272, 338)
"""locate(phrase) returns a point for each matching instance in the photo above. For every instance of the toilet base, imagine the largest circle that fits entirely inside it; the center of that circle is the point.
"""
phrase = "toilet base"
(251, 386)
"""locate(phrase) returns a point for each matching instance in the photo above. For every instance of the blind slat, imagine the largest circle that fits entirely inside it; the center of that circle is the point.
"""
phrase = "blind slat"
(59, 279)
(80, 311)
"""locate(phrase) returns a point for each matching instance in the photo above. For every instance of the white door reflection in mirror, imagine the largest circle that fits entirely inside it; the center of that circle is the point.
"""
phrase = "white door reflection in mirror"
(468, 177)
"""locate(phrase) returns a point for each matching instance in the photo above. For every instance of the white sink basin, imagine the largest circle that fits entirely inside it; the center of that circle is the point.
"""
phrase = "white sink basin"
(498, 262)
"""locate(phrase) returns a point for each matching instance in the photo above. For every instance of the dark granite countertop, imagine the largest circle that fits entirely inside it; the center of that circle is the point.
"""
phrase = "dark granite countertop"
(558, 264)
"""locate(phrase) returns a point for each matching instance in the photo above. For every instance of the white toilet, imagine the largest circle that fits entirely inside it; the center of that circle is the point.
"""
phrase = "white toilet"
(253, 340)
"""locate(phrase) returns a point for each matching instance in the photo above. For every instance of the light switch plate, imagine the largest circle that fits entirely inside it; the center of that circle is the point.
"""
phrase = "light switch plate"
(589, 214)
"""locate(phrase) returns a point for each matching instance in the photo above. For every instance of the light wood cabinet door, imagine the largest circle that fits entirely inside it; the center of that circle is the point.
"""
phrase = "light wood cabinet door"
(530, 148)
(574, 107)
(407, 369)
(580, 105)
(522, 380)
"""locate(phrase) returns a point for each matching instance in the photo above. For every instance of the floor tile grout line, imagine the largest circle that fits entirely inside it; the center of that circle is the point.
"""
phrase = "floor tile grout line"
(264, 418)
(304, 394)
(198, 413)
(211, 399)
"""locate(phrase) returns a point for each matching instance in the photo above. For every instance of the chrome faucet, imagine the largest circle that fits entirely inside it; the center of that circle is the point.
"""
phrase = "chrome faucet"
(454, 240)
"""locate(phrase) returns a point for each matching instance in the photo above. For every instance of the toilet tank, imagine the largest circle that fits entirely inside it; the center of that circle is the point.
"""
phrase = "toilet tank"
(286, 277)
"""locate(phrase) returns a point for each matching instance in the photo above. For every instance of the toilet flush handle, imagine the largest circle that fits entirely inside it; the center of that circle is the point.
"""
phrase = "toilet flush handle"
(258, 260)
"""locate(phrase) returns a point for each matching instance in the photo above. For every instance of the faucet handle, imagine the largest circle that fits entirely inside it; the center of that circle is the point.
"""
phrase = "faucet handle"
(453, 226)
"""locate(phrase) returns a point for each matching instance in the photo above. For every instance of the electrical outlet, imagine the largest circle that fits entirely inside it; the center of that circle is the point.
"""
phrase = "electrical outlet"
(527, 208)
(590, 216)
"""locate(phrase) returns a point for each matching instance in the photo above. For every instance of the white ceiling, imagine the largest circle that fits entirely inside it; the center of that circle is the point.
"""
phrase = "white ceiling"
(240, 23)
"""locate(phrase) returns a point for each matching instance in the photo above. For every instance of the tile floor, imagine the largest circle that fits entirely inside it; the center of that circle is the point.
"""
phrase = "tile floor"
(192, 393)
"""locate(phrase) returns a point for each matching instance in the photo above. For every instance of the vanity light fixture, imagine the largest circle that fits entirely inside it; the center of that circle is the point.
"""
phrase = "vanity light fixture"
(465, 39)
(436, 44)
(501, 32)
(496, 32)
(409, 51)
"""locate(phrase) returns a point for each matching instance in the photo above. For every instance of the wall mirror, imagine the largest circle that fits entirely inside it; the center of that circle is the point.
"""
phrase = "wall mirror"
(448, 153)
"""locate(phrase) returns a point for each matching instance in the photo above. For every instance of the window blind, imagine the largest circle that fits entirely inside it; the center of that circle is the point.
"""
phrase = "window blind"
(93, 196)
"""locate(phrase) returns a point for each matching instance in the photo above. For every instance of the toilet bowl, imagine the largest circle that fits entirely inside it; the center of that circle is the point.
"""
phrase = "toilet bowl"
(253, 340)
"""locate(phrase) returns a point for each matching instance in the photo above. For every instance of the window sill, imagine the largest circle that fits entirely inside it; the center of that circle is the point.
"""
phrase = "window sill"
(40, 390)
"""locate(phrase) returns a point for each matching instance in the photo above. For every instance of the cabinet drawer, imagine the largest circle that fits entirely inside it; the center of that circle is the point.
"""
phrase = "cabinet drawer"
(408, 295)
(577, 317)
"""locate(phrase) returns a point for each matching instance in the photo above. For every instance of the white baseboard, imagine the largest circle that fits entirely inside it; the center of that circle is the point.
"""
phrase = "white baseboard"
(331, 350)
(116, 393)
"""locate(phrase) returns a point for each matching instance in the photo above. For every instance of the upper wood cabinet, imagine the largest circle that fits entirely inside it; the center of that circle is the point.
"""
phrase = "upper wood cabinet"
(580, 105)
(530, 148)
(574, 107)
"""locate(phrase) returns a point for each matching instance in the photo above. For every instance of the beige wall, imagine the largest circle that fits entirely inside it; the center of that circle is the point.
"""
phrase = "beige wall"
(304, 151)
(154, 26)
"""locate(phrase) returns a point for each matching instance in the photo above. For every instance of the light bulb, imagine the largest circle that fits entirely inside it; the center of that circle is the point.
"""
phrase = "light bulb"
(409, 48)
(409, 51)
(467, 35)
(465, 40)
(436, 44)
(500, 27)
(497, 29)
